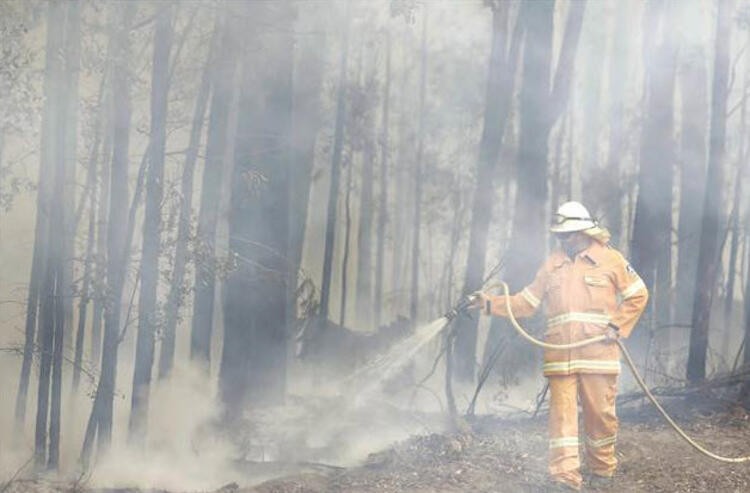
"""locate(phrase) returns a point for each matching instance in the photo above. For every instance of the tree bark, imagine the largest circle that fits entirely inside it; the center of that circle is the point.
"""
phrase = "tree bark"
(712, 220)
(205, 275)
(500, 81)
(147, 308)
(100, 421)
(253, 365)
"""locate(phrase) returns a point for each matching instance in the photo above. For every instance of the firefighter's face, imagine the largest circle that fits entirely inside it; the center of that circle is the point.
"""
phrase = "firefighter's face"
(573, 241)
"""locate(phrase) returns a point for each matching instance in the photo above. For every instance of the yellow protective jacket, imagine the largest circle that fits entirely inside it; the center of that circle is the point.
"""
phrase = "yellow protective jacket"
(581, 297)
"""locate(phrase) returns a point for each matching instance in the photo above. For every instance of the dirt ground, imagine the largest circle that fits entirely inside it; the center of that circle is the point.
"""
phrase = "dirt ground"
(509, 455)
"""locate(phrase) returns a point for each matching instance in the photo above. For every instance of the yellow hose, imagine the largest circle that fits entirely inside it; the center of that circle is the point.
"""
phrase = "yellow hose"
(633, 369)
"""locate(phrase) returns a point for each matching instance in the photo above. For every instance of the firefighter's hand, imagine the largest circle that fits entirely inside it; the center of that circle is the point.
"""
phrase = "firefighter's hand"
(612, 333)
(478, 300)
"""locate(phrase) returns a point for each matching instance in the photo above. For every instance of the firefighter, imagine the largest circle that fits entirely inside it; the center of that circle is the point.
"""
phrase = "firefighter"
(587, 288)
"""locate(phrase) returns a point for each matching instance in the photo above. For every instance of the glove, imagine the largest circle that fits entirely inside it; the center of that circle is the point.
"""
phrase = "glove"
(612, 333)
(480, 300)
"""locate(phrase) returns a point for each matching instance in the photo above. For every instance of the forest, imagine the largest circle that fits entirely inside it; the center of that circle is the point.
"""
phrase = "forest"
(230, 229)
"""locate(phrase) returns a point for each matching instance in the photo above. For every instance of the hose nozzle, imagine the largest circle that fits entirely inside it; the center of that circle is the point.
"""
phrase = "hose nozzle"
(464, 304)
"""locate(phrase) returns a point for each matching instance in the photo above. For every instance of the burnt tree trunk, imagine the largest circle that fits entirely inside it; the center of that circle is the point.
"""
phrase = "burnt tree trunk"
(712, 220)
(500, 78)
(651, 240)
(253, 365)
(100, 420)
(52, 78)
(205, 275)
(147, 308)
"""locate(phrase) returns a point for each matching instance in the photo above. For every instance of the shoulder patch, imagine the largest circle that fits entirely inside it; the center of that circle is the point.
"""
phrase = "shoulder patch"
(630, 269)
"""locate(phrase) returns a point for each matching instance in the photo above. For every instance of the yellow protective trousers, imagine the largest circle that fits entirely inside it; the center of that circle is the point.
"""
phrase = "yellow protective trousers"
(596, 393)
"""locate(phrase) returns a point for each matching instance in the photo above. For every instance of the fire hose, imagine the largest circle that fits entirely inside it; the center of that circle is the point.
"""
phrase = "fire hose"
(631, 364)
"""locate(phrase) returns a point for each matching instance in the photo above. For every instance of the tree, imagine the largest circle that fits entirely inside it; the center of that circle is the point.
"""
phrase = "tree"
(712, 219)
(652, 228)
(333, 192)
(147, 310)
(99, 424)
(52, 78)
(216, 146)
(253, 362)
(500, 82)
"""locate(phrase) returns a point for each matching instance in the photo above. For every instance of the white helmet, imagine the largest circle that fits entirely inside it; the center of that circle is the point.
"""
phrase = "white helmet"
(570, 217)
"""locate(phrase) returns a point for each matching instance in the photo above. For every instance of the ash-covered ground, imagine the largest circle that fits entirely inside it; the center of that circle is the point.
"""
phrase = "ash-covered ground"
(491, 454)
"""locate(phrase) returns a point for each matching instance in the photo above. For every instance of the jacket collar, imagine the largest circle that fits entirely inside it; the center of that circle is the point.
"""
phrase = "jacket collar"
(591, 255)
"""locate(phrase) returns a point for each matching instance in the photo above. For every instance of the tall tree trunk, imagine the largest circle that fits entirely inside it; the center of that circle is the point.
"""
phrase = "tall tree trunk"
(52, 78)
(651, 239)
(67, 156)
(52, 312)
(417, 218)
(383, 184)
(147, 308)
(500, 82)
(205, 275)
(693, 83)
(72, 60)
(176, 289)
(100, 420)
(712, 220)
(253, 365)
(333, 192)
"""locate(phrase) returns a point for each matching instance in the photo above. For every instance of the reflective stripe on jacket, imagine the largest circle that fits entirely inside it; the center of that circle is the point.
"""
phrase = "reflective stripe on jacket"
(581, 296)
